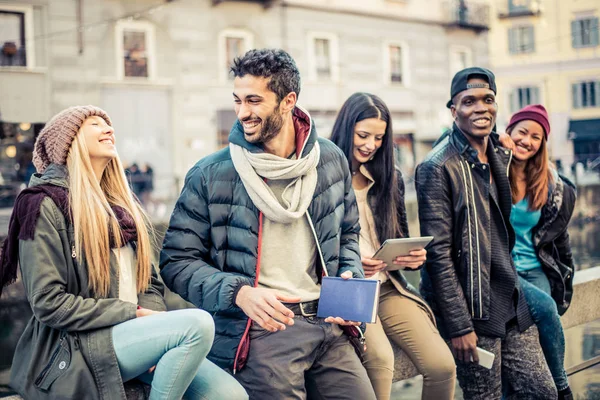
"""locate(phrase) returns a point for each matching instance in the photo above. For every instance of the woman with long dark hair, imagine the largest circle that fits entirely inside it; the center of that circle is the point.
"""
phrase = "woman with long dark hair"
(363, 130)
(543, 203)
(83, 244)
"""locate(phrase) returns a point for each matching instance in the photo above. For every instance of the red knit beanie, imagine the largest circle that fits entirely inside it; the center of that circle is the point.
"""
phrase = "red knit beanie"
(534, 112)
(54, 141)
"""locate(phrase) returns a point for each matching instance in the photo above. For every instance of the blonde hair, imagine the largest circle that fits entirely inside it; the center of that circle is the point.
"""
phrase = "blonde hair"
(94, 219)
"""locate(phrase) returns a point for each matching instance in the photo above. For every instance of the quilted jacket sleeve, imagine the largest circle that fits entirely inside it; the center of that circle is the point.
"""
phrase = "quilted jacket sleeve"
(349, 249)
(436, 219)
(184, 260)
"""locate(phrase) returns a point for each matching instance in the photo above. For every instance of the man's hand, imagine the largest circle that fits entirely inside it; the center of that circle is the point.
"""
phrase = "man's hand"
(506, 141)
(338, 320)
(464, 347)
(144, 312)
(371, 266)
(414, 260)
(264, 307)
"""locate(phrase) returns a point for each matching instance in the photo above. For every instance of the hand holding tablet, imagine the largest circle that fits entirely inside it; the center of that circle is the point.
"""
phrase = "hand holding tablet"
(394, 248)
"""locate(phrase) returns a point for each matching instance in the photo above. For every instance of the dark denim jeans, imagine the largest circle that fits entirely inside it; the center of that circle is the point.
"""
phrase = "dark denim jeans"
(536, 289)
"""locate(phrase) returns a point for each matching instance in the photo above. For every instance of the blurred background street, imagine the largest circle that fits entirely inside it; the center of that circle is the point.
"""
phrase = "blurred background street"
(160, 70)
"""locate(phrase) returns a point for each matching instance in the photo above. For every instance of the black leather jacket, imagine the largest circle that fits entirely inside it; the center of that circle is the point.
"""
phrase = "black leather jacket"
(551, 240)
(453, 195)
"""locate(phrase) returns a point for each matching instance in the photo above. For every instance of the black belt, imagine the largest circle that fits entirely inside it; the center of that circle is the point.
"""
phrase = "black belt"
(306, 309)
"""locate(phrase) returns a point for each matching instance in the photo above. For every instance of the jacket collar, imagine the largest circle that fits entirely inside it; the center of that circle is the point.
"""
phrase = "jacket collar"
(365, 171)
(460, 141)
(306, 134)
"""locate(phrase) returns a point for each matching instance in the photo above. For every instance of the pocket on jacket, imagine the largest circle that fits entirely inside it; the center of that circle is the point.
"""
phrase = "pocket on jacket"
(57, 366)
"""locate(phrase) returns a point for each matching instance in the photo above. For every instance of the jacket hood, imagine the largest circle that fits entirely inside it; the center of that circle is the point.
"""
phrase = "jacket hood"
(54, 174)
(306, 134)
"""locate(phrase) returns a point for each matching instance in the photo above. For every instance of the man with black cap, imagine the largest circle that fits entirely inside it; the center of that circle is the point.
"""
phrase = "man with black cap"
(469, 279)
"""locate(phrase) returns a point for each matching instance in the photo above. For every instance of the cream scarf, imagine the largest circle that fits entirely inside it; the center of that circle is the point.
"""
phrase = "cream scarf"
(297, 196)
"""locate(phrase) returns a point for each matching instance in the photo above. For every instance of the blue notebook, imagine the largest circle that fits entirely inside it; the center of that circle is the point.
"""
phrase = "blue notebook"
(351, 299)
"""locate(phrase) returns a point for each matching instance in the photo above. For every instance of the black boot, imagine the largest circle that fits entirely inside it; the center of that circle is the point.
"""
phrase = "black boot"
(565, 394)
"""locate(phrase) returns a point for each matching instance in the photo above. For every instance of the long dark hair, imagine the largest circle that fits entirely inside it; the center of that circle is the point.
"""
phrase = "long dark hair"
(384, 196)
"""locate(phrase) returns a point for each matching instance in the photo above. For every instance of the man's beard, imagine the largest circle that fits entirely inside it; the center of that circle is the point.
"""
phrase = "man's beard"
(270, 128)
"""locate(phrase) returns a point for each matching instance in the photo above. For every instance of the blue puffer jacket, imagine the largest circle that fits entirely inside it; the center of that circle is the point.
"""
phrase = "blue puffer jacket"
(211, 248)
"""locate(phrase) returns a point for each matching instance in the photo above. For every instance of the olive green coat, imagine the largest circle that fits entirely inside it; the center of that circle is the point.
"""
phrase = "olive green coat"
(66, 350)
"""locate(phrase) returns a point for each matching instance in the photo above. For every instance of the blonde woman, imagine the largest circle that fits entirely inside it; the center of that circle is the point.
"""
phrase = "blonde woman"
(83, 245)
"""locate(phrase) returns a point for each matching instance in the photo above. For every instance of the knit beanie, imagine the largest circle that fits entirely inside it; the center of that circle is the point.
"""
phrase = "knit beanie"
(54, 141)
(534, 112)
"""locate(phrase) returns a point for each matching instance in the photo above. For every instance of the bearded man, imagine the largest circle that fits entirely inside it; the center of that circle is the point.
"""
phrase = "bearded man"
(256, 227)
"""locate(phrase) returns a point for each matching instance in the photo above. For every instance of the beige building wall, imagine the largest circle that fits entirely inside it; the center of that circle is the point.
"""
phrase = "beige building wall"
(175, 116)
(553, 66)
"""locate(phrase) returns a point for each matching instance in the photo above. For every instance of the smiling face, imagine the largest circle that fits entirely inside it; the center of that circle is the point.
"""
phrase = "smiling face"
(475, 110)
(99, 139)
(528, 137)
(257, 108)
(368, 138)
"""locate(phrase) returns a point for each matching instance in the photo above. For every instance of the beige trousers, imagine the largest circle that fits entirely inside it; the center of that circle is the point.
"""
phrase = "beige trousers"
(404, 321)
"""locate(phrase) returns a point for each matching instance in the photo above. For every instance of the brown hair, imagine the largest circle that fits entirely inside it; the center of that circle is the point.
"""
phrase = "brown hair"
(538, 177)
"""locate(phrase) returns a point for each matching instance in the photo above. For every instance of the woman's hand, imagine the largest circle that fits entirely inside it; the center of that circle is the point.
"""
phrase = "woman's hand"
(506, 141)
(144, 312)
(372, 266)
(414, 260)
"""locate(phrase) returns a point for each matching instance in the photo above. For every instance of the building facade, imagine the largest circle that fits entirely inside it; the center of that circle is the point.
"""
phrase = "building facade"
(160, 68)
(548, 52)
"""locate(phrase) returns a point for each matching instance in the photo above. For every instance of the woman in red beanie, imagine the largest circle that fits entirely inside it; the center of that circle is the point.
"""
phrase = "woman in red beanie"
(543, 203)
(82, 241)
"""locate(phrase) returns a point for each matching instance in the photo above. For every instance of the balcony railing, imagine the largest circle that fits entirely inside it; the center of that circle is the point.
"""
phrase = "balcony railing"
(264, 3)
(523, 8)
(466, 15)
(12, 56)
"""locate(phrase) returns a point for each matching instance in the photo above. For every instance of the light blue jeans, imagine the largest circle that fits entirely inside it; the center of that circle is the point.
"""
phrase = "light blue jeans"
(177, 343)
(536, 289)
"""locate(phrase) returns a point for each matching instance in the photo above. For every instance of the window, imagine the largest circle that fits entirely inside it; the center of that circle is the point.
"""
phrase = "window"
(460, 58)
(584, 32)
(521, 40)
(225, 120)
(586, 94)
(16, 36)
(323, 57)
(516, 6)
(135, 49)
(523, 96)
(232, 43)
(395, 59)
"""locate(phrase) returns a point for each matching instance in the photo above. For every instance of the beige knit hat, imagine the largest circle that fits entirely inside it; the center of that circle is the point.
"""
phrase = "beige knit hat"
(54, 141)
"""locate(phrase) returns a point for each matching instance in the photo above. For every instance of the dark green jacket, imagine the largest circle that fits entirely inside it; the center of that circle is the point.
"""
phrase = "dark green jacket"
(66, 350)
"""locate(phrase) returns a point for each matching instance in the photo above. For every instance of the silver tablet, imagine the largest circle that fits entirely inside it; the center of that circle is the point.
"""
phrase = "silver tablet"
(392, 248)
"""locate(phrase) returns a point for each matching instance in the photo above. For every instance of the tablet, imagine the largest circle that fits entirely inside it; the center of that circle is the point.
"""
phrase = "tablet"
(392, 248)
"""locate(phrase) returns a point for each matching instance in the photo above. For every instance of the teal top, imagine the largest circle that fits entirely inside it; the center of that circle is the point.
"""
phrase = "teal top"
(523, 221)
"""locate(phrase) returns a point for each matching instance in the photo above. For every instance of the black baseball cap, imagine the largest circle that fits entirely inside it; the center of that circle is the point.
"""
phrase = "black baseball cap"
(459, 82)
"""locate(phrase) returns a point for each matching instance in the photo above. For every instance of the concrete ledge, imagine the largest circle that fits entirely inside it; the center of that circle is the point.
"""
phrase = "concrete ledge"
(585, 307)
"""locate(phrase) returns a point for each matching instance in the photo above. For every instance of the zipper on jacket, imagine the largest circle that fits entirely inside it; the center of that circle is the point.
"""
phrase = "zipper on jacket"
(470, 234)
(73, 252)
(312, 228)
(258, 259)
(477, 239)
(44, 372)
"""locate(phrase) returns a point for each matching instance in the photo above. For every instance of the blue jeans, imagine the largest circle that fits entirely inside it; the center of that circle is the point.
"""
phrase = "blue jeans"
(536, 289)
(177, 343)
